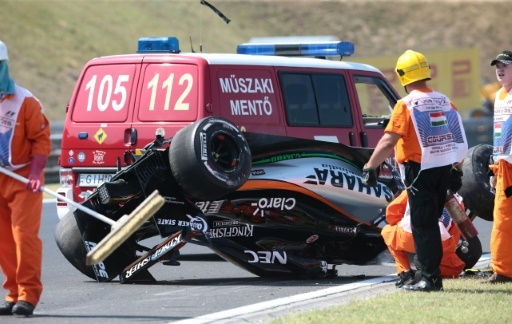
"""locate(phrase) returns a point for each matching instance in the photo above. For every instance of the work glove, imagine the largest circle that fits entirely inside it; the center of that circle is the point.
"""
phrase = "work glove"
(370, 176)
(36, 168)
(455, 180)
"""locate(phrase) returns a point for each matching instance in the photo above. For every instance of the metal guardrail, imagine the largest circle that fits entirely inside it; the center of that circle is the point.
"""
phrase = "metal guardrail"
(51, 172)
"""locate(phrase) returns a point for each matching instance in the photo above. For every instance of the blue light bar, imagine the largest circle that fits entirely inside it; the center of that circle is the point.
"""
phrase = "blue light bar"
(158, 45)
(298, 49)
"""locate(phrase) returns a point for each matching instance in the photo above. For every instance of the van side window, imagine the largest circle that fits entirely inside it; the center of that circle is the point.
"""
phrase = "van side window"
(375, 99)
(299, 99)
(313, 99)
(332, 98)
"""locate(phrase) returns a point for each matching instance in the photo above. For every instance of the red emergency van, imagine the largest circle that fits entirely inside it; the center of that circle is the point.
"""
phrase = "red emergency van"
(120, 102)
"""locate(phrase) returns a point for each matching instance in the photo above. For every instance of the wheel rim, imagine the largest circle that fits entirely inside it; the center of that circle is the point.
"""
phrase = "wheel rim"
(225, 152)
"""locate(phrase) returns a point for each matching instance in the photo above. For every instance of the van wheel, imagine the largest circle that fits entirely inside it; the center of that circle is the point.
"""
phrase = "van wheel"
(69, 241)
(476, 190)
(210, 158)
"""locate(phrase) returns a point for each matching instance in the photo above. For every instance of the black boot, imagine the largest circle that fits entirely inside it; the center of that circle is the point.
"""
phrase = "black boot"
(406, 278)
(23, 308)
(425, 285)
(6, 308)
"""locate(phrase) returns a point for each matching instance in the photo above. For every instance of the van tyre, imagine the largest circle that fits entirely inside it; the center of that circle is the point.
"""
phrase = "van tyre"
(69, 241)
(210, 158)
(476, 189)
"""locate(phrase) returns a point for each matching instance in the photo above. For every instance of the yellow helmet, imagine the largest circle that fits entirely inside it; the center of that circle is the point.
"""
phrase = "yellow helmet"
(411, 67)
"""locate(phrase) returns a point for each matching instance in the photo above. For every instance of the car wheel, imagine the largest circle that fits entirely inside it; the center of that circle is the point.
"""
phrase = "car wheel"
(476, 189)
(210, 159)
(69, 241)
(469, 251)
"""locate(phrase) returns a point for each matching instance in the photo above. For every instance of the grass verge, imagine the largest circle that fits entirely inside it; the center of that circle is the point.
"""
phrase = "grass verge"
(464, 300)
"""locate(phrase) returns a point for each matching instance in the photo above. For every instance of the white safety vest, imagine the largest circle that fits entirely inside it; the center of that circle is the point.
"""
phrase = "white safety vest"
(438, 127)
(9, 110)
(502, 127)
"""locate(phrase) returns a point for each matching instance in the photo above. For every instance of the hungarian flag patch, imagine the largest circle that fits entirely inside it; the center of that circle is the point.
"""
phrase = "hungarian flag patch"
(497, 130)
(438, 118)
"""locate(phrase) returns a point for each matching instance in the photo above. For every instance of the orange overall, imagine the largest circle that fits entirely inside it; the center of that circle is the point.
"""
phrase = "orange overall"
(20, 209)
(400, 241)
(501, 235)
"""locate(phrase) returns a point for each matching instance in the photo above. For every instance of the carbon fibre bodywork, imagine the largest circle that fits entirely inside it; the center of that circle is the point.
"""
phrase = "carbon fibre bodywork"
(302, 208)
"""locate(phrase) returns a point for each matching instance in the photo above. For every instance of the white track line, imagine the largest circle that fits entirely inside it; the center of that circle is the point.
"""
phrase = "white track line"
(286, 301)
(296, 299)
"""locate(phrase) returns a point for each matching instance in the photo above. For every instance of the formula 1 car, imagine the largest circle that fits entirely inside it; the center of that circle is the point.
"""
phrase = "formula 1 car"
(275, 206)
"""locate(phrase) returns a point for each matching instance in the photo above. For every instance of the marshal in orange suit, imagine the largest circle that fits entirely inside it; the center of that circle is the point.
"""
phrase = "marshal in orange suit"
(398, 237)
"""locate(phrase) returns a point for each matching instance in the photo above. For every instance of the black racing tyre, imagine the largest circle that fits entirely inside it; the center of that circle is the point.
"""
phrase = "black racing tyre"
(69, 241)
(469, 251)
(210, 158)
(476, 189)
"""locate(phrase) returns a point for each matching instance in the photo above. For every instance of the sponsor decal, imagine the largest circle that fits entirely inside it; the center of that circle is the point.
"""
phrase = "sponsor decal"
(99, 269)
(209, 207)
(266, 257)
(258, 172)
(195, 223)
(160, 132)
(71, 160)
(342, 229)
(173, 200)
(153, 257)
(100, 136)
(350, 181)
(234, 231)
(431, 102)
(81, 156)
(98, 157)
(285, 157)
(337, 167)
(226, 223)
(198, 224)
(164, 249)
(324, 266)
(71, 153)
(448, 147)
(497, 150)
(273, 203)
(437, 119)
(440, 138)
(312, 238)
(204, 146)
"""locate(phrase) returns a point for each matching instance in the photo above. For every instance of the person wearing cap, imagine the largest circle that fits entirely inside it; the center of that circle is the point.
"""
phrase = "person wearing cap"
(426, 131)
(24, 148)
(501, 167)
(397, 235)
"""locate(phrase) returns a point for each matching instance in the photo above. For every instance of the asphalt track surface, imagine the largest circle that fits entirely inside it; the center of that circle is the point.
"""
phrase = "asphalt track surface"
(204, 289)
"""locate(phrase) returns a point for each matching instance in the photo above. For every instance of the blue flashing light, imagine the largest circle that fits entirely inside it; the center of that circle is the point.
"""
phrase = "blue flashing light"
(298, 49)
(158, 45)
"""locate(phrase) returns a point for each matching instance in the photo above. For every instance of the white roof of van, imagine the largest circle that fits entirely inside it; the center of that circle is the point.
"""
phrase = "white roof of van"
(237, 59)
(263, 60)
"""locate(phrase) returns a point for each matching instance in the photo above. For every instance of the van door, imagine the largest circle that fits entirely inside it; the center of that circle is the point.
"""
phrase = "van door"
(317, 106)
(98, 118)
(374, 100)
(169, 97)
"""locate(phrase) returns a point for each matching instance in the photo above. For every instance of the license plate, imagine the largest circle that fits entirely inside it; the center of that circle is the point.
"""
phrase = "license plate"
(93, 179)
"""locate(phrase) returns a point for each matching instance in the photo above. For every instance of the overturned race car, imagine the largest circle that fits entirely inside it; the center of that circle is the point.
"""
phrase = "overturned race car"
(275, 206)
